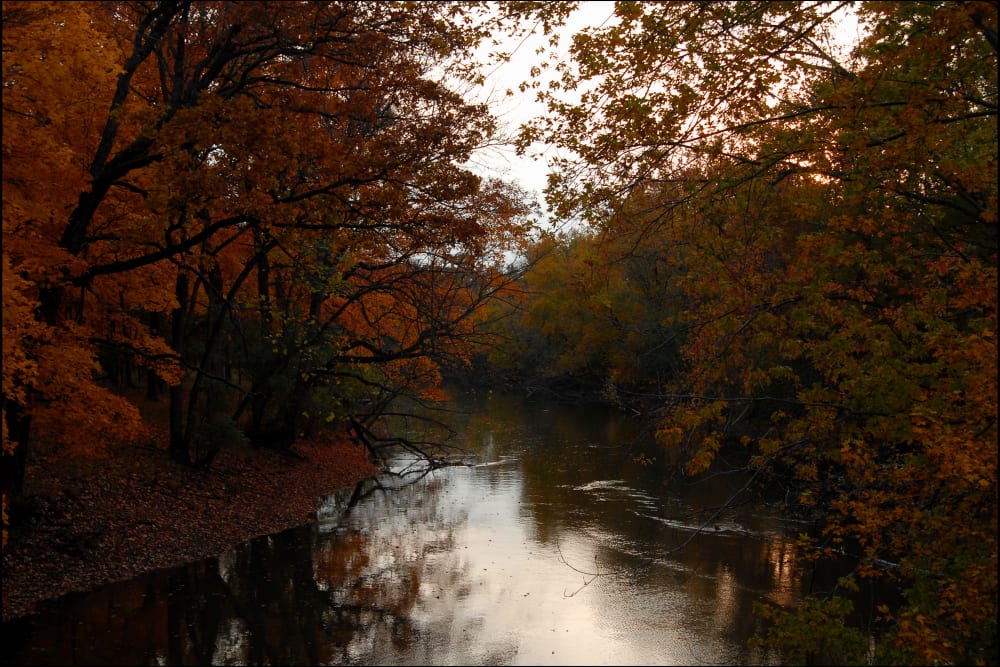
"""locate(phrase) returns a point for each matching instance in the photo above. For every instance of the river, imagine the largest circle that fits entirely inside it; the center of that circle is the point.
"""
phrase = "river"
(561, 544)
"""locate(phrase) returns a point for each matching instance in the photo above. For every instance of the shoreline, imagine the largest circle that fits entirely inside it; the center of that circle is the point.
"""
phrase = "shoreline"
(100, 521)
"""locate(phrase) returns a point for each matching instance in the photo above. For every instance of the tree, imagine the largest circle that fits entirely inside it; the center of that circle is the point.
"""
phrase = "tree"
(837, 210)
(598, 316)
(48, 371)
(237, 178)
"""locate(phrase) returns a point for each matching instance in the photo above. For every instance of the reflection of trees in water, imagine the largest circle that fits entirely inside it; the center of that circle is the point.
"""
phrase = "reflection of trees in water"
(337, 597)
(298, 597)
(332, 594)
(258, 604)
(697, 539)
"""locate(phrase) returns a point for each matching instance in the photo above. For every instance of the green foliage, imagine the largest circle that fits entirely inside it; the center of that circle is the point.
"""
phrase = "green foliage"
(220, 431)
(824, 220)
(596, 315)
(817, 632)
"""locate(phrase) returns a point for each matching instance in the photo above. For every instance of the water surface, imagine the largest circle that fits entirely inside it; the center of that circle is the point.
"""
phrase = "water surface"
(557, 547)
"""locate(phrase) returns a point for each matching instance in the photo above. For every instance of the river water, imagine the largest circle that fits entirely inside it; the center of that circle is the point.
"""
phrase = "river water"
(560, 545)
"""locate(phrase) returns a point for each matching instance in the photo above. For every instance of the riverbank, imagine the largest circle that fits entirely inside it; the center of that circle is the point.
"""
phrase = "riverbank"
(97, 521)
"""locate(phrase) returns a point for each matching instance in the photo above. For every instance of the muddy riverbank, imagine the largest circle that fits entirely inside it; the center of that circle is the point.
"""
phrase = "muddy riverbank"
(96, 521)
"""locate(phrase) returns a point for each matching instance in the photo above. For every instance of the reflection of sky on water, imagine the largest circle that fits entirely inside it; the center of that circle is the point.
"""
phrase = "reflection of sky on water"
(489, 564)
(514, 603)
(505, 588)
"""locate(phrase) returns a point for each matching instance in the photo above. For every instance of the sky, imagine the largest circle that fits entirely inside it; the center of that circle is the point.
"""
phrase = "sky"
(530, 171)
(503, 162)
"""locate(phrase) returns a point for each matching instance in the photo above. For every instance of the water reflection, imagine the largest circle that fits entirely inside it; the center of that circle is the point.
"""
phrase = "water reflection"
(491, 564)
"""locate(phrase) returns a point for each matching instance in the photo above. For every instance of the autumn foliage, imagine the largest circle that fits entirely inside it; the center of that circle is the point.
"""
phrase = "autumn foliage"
(260, 211)
(257, 212)
(819, 208)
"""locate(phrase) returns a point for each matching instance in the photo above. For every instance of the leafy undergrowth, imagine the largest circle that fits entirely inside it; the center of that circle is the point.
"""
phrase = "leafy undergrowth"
(96, 521)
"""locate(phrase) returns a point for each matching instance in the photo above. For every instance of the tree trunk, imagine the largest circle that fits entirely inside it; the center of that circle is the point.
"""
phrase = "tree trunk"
(179, 442)
(14, 463)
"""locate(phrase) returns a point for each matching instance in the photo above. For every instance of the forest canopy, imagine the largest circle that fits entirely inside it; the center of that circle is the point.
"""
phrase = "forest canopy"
(259, 211)
(792, 249)
(262, 212)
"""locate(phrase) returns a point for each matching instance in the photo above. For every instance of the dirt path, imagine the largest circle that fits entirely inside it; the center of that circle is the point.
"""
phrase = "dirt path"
(97, 521)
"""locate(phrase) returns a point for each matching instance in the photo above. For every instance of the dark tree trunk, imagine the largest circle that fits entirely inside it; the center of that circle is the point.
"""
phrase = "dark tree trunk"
(18, 433)
(179, 443)
(155, 386)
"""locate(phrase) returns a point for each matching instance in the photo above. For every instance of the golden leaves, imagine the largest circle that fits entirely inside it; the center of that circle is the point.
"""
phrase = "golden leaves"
(832, 226)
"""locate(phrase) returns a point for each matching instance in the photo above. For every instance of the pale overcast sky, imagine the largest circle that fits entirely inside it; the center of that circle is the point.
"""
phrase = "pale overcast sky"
(528, 172)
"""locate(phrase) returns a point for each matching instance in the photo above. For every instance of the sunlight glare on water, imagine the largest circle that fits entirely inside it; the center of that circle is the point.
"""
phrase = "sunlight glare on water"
(529, 527)
(555, 547)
